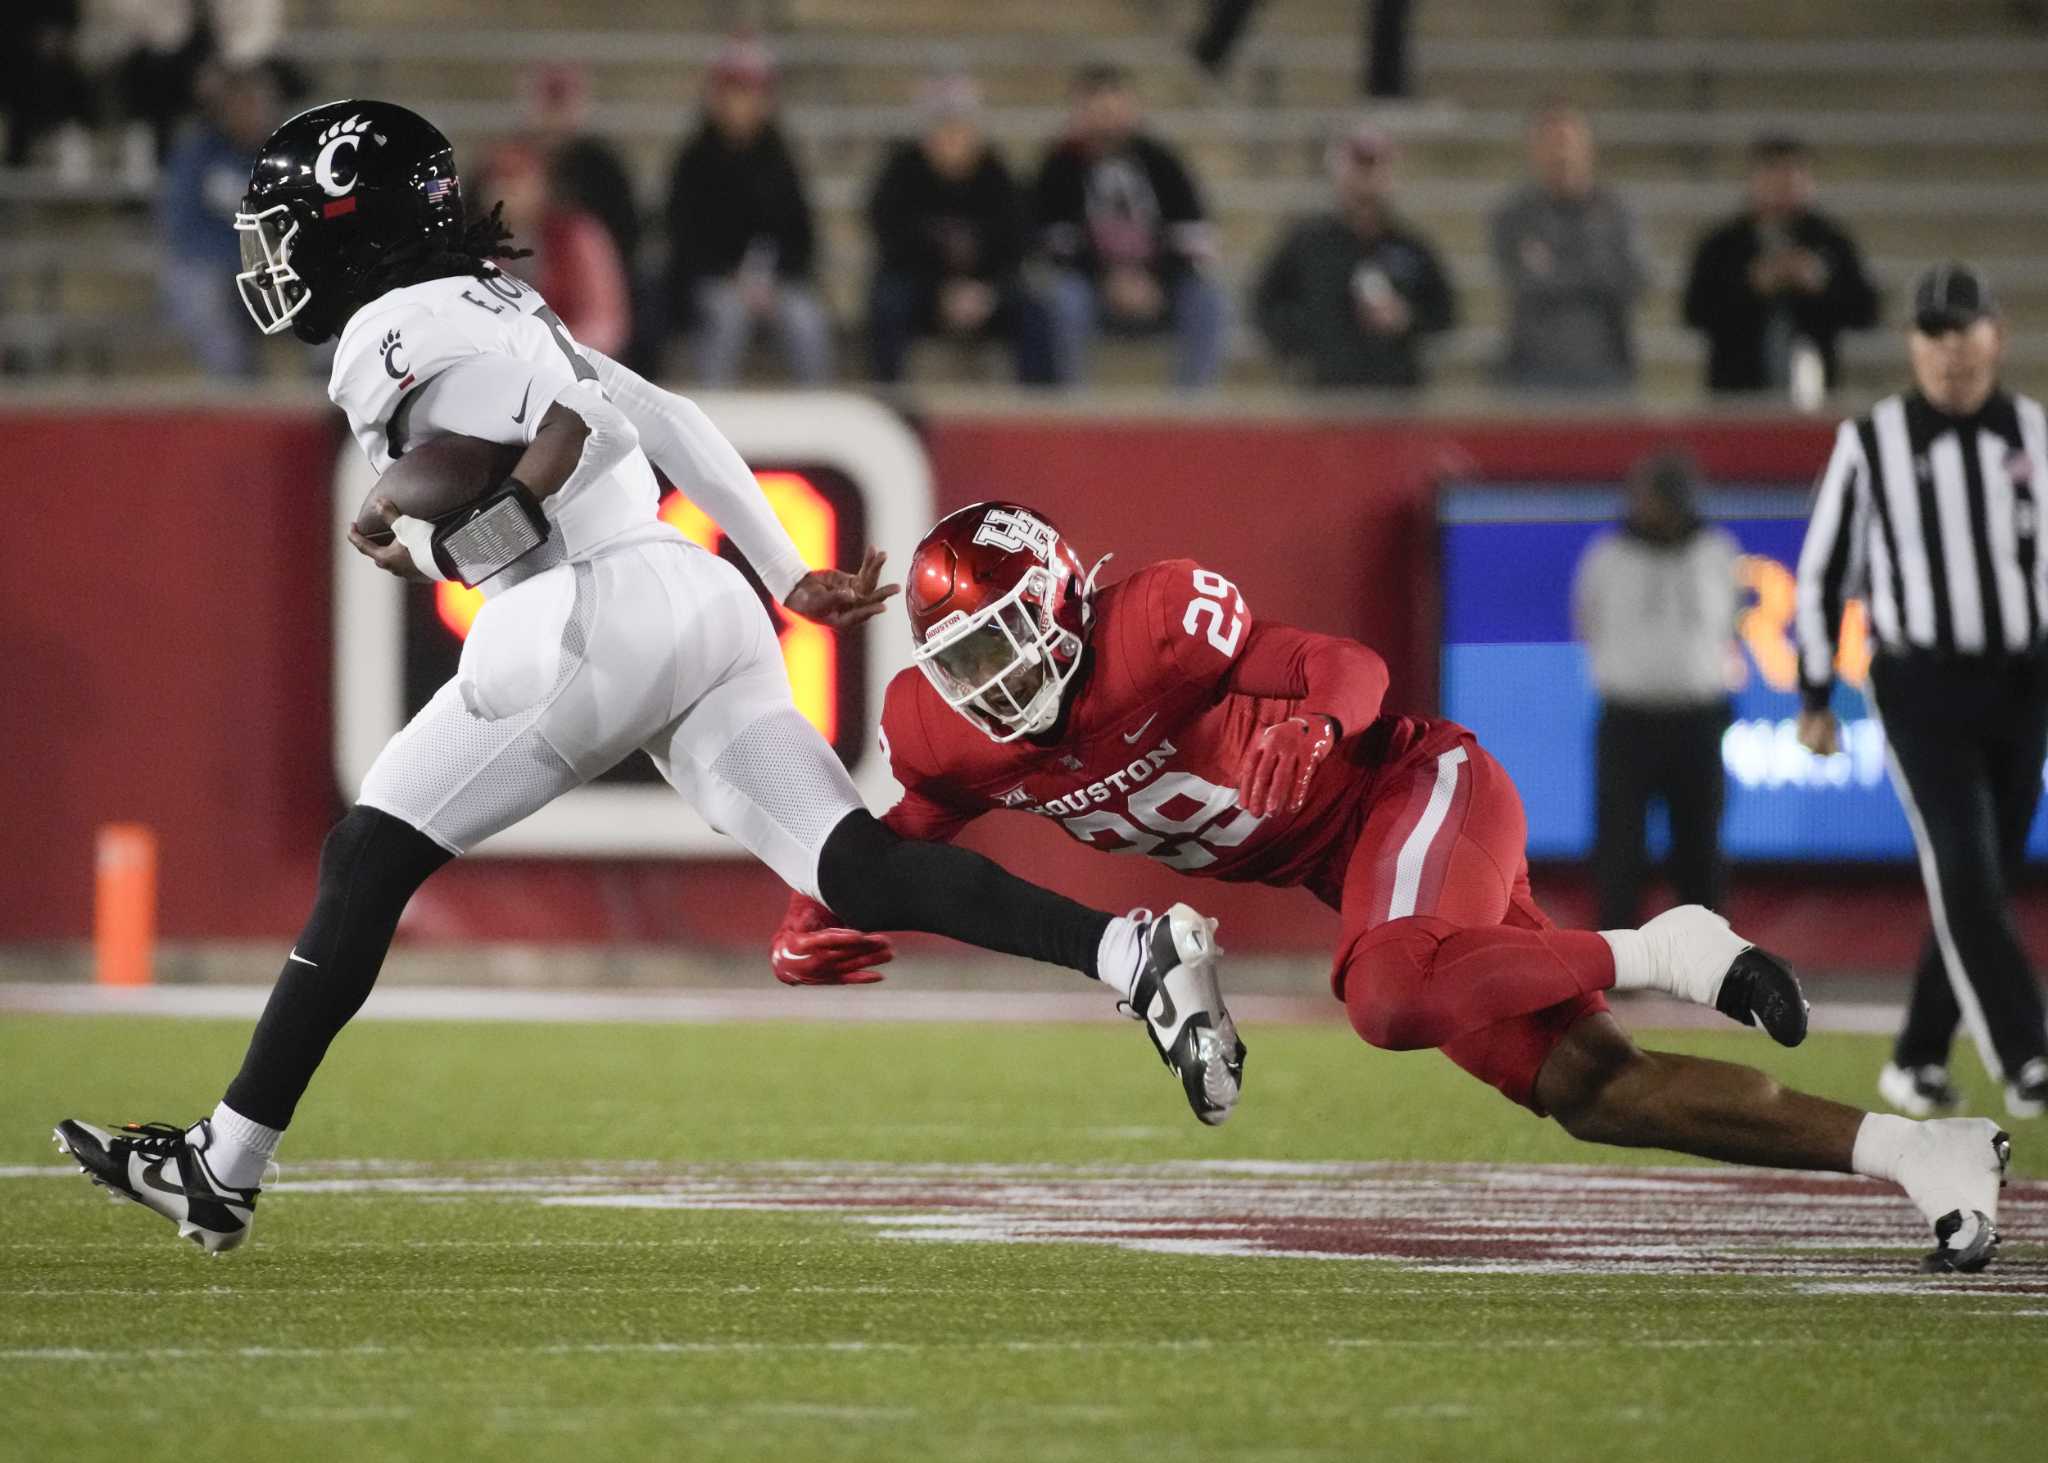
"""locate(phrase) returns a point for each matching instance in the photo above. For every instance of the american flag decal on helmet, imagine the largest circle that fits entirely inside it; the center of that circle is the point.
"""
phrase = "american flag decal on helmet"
(439, 188)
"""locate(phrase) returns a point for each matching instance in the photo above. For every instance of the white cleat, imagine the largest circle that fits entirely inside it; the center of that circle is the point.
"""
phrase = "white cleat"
(1177, 997)
(1700, 959)
(1952, 1171)
(164, 1169)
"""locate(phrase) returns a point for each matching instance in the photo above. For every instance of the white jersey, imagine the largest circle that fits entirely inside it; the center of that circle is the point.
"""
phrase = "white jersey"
(484, 358)
(631, 636)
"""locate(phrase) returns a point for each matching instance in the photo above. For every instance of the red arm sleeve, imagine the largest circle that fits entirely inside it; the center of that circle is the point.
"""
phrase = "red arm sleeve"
(1339, 678)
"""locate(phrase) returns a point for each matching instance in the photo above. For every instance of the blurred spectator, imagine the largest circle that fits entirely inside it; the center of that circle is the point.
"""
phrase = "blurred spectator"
(741, 244)
(44, 93)
(202, 187)
(1383, 73)
(1776, 283)
(587, 171)
(1571, 265)
(1124, 225)
(573, 264)
(160, 51)
(949, 241)
(1655, 604)
(1352, 292)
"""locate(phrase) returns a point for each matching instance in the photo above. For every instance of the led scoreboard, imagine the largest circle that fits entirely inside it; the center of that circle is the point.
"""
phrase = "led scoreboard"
(839, 471)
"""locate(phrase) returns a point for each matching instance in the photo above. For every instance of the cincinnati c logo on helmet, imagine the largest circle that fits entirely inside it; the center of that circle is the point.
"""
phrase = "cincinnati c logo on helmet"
(1011, 529)
(342, 137)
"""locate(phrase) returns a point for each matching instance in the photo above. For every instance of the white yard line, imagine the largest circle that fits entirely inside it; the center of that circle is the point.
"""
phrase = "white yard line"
(891, 1003)
(118, 1355)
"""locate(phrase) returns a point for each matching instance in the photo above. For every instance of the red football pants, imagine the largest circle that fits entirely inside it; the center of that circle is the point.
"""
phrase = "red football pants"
(1443, 946)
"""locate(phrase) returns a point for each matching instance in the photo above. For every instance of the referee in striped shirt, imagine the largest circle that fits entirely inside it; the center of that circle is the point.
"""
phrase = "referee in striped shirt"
(1929, 512)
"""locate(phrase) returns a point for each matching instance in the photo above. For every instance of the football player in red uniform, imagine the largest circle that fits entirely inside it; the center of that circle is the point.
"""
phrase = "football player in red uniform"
(1156, 716)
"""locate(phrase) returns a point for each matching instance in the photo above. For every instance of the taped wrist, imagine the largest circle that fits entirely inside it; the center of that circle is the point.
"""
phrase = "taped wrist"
(417, 534)
(486, 538)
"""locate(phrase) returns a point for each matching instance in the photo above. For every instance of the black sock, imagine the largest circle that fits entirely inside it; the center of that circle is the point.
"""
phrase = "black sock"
(875, 880)
(369, 867)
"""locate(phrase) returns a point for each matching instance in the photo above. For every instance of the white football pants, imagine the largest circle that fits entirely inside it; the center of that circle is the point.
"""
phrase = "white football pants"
(657, 645)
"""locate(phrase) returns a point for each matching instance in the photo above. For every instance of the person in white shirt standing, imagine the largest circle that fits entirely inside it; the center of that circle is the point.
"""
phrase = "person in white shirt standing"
(1654, 602)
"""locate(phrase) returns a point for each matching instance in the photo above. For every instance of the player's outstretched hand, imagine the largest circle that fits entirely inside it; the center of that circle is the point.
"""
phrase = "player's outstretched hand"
(840, 600)
(810, 950)
(392, 556)
(1276, 771)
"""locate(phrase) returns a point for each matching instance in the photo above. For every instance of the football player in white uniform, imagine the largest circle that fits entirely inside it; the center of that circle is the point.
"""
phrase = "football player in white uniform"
(604, 630)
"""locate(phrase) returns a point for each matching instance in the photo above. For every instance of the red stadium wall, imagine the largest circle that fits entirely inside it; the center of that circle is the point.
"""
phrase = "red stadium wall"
(166, 607)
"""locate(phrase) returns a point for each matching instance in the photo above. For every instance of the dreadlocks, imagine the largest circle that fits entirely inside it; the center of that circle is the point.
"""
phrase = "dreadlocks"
(484, 240)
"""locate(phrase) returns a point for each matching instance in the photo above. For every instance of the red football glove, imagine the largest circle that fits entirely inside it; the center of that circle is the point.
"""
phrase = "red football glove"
(810, 950)
(1276, 771)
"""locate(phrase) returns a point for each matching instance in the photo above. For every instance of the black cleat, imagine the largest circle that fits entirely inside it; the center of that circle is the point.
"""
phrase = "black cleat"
(1761, 990)
(1178, 999)
(1918, 1092)
(163, 1168)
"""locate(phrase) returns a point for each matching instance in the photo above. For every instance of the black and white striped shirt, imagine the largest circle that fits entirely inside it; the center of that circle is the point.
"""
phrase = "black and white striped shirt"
(1932, 521)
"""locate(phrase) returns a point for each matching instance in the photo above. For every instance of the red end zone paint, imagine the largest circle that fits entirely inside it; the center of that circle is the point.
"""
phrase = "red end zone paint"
(1814, 1232)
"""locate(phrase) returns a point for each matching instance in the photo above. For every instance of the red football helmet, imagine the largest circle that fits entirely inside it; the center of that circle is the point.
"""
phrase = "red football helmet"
(999, 614)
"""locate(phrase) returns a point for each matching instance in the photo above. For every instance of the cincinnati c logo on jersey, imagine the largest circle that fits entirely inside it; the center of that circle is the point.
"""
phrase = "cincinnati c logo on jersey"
(393, 367)
(343, 137)
(1011, 529)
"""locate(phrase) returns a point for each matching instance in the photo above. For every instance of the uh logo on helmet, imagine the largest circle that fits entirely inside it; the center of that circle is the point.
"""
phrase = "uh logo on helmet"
(998, 609)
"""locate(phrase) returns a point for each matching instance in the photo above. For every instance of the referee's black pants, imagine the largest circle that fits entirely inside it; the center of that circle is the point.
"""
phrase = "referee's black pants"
(1967, 736)
(1646, 753)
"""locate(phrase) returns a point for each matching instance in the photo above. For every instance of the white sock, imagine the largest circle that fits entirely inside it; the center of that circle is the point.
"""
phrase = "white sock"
(1881, 1145)
(1634, 970)
(241, 1149)
(1120, 956)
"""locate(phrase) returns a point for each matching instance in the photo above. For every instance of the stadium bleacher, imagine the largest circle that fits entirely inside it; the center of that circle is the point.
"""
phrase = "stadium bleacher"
(1927, 124)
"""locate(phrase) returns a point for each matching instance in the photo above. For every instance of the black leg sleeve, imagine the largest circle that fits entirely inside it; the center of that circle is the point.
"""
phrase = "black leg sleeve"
(875, 880)
(369, 867)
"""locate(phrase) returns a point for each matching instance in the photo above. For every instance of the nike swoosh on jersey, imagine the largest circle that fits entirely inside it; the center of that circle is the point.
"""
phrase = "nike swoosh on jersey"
(1132, 736)
(520, 415)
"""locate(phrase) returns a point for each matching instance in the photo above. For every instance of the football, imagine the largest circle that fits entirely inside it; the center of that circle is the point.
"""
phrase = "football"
(438, 477)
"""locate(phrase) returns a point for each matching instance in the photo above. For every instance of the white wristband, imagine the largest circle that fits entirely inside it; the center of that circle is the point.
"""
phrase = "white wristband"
(417, 534)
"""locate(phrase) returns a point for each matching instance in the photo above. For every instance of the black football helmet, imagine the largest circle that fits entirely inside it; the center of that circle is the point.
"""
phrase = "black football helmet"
(337, 194)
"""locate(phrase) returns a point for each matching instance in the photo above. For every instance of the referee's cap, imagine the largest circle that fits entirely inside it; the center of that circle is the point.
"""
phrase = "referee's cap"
(1950, 296)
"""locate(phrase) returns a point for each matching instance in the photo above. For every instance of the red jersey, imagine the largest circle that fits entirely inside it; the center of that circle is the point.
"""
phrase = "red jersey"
(1178, 685)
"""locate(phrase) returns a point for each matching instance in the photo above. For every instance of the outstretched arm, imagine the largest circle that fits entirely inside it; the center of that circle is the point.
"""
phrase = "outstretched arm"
(694, 455)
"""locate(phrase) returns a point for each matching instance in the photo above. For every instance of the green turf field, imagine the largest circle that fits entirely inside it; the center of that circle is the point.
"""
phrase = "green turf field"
(890, 1242)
